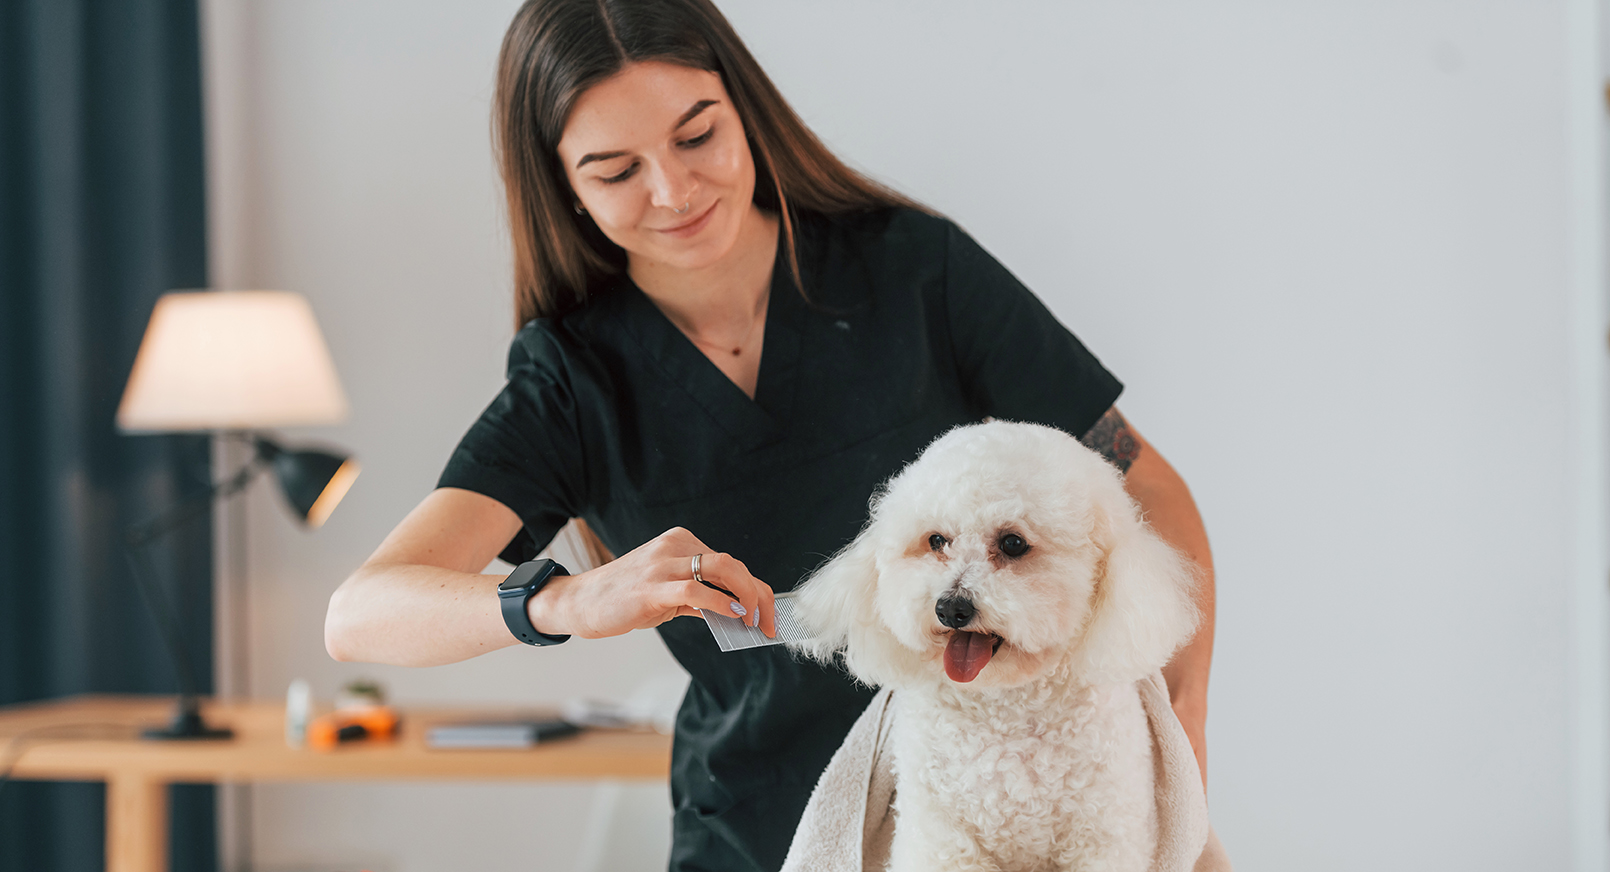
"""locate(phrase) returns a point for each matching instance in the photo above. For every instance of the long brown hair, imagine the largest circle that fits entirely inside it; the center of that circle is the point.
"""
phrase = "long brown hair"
(555, 50)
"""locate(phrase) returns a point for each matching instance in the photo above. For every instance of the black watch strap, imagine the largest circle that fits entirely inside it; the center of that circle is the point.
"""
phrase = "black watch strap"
(520, 586)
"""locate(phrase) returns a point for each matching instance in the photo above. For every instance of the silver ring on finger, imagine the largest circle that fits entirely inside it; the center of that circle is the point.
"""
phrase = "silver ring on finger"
(696, 576)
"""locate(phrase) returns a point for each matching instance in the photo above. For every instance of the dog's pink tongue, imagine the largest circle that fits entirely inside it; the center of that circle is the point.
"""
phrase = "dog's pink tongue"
(967, 654)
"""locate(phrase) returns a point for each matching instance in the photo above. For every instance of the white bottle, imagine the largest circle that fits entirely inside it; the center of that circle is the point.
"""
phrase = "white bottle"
(298, 708)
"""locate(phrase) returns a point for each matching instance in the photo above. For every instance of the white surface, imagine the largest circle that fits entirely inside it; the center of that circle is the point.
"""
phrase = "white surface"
(1345, 255)
(1590, 628)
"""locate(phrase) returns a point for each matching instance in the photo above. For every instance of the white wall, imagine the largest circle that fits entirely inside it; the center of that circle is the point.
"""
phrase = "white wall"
(1328, 246)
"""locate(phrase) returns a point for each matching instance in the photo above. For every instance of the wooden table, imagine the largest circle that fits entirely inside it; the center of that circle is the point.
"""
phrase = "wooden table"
(138, 771)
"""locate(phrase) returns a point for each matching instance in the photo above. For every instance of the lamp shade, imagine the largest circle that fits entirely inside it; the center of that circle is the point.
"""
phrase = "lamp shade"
(231, 360)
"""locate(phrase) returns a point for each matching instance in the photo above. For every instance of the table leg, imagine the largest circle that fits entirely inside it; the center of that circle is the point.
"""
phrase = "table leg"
(136, 823)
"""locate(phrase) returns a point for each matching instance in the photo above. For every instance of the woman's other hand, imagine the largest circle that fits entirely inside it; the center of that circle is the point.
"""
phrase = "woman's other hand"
(649, 585)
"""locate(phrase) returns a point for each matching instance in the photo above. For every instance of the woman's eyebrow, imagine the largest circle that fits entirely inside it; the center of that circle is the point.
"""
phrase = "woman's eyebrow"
(694, 112)
(686, 117)
(598, 155)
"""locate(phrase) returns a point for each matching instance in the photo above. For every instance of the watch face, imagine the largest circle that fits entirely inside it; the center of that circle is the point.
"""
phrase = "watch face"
(523, 575)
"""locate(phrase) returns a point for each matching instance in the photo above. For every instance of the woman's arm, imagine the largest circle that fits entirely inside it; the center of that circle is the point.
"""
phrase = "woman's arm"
(1168, 507)
(420, 599)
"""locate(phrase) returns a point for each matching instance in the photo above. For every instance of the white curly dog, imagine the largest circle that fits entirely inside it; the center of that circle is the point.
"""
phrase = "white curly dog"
(1008, 590)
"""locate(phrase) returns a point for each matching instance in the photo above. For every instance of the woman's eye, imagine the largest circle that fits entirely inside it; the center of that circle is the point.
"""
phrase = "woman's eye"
(937, 541)
(699, 140)
(621, 176)
(1012, 545)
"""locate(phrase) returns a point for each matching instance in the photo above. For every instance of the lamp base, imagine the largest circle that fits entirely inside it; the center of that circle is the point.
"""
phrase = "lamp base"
(187, 725)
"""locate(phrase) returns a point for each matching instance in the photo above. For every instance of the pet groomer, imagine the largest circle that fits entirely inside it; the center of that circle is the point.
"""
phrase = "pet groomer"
(730, 339)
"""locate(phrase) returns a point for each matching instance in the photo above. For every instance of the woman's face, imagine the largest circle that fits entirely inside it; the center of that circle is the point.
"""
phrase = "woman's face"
(649, 141)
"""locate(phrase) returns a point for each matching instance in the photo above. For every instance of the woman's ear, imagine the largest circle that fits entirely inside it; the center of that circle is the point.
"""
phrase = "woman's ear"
(1143, 608)
(836, 598)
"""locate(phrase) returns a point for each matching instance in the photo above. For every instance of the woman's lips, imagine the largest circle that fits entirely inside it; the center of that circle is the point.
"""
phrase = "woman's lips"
(693, 225)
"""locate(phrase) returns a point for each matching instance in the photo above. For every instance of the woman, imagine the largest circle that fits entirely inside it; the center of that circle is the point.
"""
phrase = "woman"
(729, 340)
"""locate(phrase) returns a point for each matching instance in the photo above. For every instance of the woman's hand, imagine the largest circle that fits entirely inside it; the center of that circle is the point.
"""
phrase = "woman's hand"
(1193, 717)
(1169, 508)
(421, 600)
(650, 585)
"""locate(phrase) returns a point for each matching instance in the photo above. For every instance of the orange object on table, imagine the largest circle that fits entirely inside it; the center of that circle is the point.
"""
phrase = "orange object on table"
(351, 725)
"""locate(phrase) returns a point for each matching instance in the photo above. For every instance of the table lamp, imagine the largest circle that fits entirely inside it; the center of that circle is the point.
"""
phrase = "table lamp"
(239, 363)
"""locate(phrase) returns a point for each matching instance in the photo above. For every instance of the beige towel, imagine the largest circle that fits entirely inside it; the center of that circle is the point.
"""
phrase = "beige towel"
(849, 821)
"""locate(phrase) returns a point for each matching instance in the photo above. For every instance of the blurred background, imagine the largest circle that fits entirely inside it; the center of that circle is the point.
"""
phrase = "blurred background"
(1346, 256)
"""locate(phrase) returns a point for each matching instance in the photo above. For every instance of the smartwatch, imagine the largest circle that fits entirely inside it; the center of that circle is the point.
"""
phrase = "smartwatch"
(521, 585)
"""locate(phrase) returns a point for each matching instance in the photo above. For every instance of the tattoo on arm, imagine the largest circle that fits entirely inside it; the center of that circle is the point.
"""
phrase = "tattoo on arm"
(1111, 438)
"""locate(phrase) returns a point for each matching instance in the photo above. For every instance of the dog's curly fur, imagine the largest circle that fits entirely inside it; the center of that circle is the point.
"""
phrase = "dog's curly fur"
(1043, 761)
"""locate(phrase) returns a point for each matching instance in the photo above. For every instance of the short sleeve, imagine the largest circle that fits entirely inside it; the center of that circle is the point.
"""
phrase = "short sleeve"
(525, 450)
(1015, 360)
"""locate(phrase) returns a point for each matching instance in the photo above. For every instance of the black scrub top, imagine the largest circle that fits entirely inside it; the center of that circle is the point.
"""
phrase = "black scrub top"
(612, 415)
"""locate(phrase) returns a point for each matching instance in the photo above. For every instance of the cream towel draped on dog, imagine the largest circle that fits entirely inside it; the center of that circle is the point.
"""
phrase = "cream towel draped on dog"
(849, 821)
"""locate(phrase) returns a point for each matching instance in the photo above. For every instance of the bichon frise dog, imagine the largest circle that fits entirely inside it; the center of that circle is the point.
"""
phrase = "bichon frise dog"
(1009, 592)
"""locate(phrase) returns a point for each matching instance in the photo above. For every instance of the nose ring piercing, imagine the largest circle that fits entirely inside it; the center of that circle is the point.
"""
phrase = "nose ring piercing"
(684, 207)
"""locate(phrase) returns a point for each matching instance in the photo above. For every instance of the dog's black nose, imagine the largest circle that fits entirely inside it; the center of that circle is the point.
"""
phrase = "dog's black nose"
(955, 612)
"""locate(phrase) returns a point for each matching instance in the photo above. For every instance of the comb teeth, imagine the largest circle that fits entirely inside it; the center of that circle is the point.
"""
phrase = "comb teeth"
(735, 635)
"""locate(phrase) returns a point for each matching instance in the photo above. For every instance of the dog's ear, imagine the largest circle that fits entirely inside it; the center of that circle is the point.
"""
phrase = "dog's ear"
(1143, 608)
(837, 598)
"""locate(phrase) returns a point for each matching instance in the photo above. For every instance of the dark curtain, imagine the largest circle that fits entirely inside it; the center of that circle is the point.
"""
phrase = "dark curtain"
(101, 210)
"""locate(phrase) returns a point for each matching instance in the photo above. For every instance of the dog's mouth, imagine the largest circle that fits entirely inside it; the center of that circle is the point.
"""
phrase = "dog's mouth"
(966, 654)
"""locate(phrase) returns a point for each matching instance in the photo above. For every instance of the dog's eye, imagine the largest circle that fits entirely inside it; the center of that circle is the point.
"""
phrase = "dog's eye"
(937, 541)
(1012, 545)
